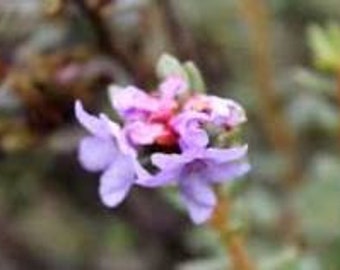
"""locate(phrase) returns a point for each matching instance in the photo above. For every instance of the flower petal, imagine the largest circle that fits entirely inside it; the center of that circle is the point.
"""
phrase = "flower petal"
(116, 132)
(224, 155)
(140, 171)
(197, 212)
(142, 133)
(227, 171)
(226, 111)
(188, 125)
(198, 197)
(116, 181)
(131, 103)
(163, 178)
(195, 188)
(168, 161)
(173, 86)
(95, 154)
(90, 122)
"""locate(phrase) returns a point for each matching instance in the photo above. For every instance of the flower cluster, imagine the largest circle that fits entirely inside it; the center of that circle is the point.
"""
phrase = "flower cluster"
(174, 130)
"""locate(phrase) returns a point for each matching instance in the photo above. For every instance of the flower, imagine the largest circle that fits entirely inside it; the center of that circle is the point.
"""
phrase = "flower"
(222, 112)
(147, 116)
(200, 111)
(177, 131)
(189, 127)
(195, 171)
(106, 150)
(142, 133)
(172, 87)
(132, 103)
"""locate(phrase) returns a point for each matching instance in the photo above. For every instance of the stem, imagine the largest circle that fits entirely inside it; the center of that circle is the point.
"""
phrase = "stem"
(338, 99)
(233, 241)
(255, 14)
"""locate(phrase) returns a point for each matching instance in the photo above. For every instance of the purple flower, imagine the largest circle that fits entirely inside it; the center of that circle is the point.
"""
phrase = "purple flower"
(222, 112)
(226, 112)
(146, 117)
(189, 127)
(200, 111)
(106, 150)
(195, 171)
(172, 87)
(132, 103)
(142, 133)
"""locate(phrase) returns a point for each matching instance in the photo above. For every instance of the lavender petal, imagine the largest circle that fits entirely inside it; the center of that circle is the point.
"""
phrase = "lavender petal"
(95, 154)
(116, 181)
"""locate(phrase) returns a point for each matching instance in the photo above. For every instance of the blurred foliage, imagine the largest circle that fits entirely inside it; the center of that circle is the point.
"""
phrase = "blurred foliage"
(325, 44)
(55, 51)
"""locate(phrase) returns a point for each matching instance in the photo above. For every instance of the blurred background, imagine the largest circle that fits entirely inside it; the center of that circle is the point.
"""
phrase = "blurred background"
(279, 58)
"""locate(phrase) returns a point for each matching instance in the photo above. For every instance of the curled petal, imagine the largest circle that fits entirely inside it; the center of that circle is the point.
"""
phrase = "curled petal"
(163, 178)
(142, 133)
(116, 181)
(168, 161)
(131, 103)
(222, 112)
(228, 171)
(96, 154)
(173, 86)
(195, 188)
(226, 155)
(91, 123)
(189, 127)
(198, 197)
(140, 171)
(226, 112)
(197, 212)
(119, 136)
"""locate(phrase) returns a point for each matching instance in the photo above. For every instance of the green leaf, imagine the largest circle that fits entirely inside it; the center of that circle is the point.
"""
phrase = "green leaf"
(195, 77)
(325, 45)
(168, 65)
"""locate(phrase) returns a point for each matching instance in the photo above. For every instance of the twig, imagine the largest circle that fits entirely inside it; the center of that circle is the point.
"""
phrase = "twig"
(280, 135)
(256, 15)
(338, 100)
(233, 241)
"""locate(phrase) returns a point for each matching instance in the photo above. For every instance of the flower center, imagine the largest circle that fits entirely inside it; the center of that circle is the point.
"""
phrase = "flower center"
(168, 136)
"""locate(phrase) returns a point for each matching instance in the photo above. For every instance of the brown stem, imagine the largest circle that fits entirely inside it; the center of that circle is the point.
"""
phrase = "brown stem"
(338, 99)
(256, 16)
(233, 241)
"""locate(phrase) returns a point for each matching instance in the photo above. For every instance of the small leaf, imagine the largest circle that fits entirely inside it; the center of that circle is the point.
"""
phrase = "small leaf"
(169, 66)
(195, 77)
(324, 43)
